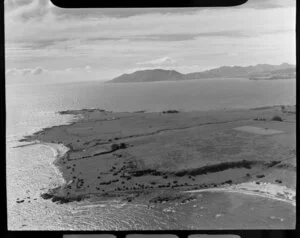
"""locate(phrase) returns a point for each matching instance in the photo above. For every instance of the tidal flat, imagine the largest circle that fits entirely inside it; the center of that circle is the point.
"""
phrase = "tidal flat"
(157, 157)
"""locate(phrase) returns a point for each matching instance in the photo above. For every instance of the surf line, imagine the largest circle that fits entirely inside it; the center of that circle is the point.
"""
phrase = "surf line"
(242, 191)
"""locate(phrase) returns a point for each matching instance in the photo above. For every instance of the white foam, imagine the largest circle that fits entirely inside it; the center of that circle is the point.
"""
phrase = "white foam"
(266, 190)
(58, 150)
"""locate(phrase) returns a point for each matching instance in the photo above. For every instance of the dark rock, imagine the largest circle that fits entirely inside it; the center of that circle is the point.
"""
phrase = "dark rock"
(46, 196)
(260, 176)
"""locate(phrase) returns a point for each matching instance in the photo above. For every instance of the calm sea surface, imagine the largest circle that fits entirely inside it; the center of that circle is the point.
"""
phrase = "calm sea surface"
(30, 171)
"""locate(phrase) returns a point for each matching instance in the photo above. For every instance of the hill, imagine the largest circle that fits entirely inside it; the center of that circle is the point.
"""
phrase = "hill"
(257, 72)
(275, 74)
(149, 76)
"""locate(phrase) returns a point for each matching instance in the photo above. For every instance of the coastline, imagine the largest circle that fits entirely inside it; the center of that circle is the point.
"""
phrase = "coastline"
(59, 150)
(65, 152)
(287, 196)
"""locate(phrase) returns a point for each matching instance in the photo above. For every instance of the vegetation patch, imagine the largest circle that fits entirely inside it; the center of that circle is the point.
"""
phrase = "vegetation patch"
(216, 168)
(276, 118)
(170, 111)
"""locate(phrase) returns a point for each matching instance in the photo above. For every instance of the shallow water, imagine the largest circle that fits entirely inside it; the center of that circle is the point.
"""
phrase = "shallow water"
(30, 171)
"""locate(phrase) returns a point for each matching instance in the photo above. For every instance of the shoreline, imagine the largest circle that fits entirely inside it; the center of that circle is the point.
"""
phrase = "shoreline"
(63, 194)
(59, 150)
(256, 192)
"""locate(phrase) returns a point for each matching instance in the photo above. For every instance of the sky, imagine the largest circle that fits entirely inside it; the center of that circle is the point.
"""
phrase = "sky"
(45, 43)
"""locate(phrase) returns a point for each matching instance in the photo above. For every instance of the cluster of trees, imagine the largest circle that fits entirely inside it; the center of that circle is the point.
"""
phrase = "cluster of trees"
(170, 111)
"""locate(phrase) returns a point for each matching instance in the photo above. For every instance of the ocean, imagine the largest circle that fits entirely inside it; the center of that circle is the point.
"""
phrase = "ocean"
(31, 107)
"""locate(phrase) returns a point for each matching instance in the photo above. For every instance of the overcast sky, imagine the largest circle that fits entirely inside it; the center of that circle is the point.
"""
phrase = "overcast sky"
(44, 42)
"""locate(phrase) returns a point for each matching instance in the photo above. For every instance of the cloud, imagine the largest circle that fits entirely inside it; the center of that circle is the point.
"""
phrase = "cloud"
(40, 70)
(158, 62)
(68, 69)
(37, 71)
(25, 71)
(113, 40)
(56, 40)
(62, 75)
(147, 37)
(28, 9)
(37, 9)
(190, 36)
(166, 63)
(12, 4)
(88, 68)
(143, 27)
(180, 68)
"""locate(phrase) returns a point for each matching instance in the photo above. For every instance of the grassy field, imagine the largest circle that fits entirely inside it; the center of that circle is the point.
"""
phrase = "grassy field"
(121, 154)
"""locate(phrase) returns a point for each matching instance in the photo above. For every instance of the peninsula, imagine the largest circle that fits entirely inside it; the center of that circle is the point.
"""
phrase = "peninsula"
(159, 156)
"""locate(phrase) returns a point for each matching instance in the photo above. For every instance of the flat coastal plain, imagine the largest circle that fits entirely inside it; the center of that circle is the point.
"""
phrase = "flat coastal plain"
(162, 156)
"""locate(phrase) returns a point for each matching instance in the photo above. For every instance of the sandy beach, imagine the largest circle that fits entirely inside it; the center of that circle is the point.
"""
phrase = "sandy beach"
(266, 190)
(128, 155)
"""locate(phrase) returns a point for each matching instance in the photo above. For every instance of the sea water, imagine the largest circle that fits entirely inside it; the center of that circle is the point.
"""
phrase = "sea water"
(30, 169)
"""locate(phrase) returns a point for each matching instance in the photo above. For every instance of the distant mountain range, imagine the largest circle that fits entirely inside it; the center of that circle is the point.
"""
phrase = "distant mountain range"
(257, 72)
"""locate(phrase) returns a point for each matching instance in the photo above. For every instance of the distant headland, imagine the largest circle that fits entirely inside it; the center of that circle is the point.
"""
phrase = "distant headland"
(256, 72)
